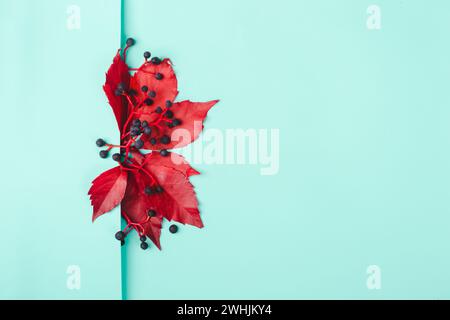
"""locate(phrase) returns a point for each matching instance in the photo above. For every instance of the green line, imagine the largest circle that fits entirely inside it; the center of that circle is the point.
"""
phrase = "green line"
(123, 250)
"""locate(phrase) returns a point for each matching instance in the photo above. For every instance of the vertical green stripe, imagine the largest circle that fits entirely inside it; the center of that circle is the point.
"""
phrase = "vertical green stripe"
(123, 257)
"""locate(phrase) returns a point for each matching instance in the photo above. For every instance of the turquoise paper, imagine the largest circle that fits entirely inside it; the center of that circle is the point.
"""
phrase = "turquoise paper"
(364, 174)
(53, 110)
(364, 161)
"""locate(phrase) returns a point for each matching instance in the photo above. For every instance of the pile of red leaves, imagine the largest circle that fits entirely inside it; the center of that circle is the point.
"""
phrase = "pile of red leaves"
(155, 185)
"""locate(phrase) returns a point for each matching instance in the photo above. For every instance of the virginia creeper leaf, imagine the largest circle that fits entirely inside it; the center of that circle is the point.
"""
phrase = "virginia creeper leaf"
(191, 115)
(165, 89)
(117, 73)
(174, 161)
(107, 191)
(136, 204)
(178, 200)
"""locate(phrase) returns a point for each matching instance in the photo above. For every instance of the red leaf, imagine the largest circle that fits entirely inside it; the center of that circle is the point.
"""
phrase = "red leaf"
(136, 204)
(152, 229)
(178, 200)
(174, 161)
(117, 73)
(107, 191)
(165, 89)
(191, 114)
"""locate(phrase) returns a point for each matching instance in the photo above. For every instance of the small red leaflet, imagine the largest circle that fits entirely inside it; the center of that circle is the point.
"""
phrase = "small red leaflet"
(151, 186)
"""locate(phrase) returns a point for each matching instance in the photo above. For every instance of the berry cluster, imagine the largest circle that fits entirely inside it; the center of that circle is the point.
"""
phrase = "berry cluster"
(144, 107)
(120, 235)
(132, 138)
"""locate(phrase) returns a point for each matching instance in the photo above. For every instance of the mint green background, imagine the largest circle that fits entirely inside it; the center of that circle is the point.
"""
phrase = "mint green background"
(364, 164)
(364, 161)
(53, 109)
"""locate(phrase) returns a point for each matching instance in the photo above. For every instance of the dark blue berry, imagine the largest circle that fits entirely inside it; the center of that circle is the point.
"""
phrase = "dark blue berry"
(169, 103)
(165, 139)
(147, 54)
(139, 144)
(148, 101)
(103, 154)
(169, 114)
(144, 88)
(176, 122)
(100, 142)
(152, 94)
(159, 189)
(120, 89)
(159, 76)
(158, 110)
(120, 235)
(136, 122)
(156, 60)
(144, 123)
(134, 131)
(144, 245)
(153, 141)
(164, 152)
(142, 238)
(148, 190)
(173, 229)
(151, 213)
(116, 157)
(147, 130)
(130, 42)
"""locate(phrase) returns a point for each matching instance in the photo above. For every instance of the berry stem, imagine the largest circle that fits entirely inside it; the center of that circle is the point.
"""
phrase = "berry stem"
(125, 52)
(130, 117)
(153, 180)
(138, 226)
(130, 103)
(114, 146)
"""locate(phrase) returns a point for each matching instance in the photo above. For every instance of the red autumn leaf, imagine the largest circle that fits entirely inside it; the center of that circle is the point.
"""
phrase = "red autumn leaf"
(117, 73)
(190, 115)
(136, 204)
(107, 191)
(165, 89)
(178, 201)
(156, 88)
(152, 229)
(174, 161)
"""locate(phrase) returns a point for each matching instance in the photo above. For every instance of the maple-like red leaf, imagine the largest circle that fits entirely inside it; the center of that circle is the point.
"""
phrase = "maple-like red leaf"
(165, 88)
(174, 161)
(117, 73)
(107, 191)
(161, 93)
(191, 116)
(136, 204)
(178, 201)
